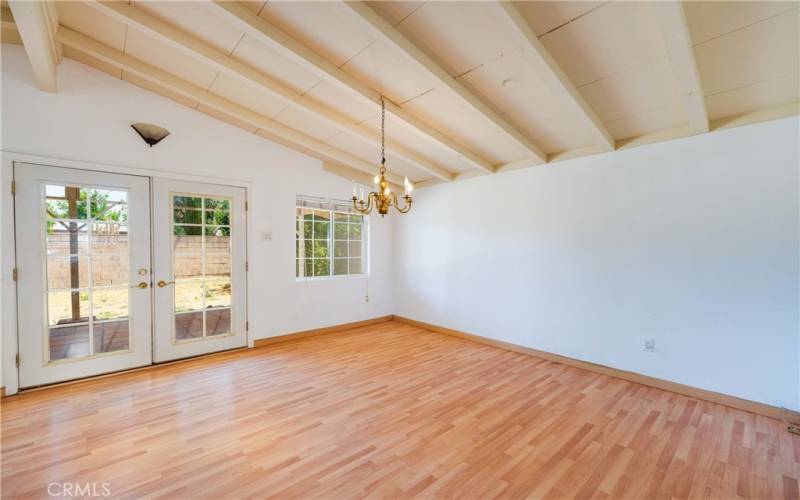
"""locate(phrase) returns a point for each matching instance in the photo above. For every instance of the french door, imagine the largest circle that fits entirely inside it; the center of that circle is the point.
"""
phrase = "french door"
(102, 286)
(200, 267)
(83, 262)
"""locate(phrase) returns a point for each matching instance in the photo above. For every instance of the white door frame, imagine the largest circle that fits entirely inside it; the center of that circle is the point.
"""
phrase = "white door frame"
(8, 290)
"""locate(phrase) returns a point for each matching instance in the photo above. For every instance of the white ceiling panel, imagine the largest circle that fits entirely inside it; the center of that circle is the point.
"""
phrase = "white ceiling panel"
(648, 122)
(247, 96)
(763, 51)
(83, 18)
(445, 112)
(386, 70)
(306, 123)
(708, 20)
(633, 91)
(754, 97)
(329, 28)
(544, 17)
(172, 60)
(607, 40)
(394, 11)
(197, 18)
(275, 65)
(332, 95)
(372, 154)
(254, 6)
(510, 85)
(402, 135)
(458, 35)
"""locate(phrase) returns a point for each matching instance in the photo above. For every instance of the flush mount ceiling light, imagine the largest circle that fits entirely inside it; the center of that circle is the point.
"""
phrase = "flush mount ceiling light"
(152, 134)
(382, 197)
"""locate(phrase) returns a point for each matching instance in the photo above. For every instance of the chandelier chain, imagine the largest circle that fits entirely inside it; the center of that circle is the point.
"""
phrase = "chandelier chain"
(383, 133)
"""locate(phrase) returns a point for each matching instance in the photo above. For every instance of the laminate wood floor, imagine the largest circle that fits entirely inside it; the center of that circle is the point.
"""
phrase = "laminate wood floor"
(388, 410)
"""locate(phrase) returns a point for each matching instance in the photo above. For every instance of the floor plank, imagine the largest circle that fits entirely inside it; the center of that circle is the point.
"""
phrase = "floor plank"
(387, 410)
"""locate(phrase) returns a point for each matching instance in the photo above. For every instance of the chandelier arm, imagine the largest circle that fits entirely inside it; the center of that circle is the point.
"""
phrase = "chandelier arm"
(358, 206)
(369, 202)
(407, 206)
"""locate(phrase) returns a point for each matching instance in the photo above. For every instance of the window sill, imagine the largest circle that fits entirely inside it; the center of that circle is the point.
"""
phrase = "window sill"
(331, 278)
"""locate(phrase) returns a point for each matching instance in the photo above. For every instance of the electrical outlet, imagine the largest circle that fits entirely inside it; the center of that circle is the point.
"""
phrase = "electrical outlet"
(266, 236)
(649, 345)
(366, 298)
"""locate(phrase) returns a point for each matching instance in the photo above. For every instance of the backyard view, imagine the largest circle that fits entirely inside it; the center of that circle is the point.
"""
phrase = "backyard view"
(88, 275)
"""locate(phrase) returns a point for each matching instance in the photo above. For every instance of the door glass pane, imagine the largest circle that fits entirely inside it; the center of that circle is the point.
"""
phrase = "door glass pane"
(87, 260)
(65, 307)
(189, 325)
(65, 273)
(218, 218)
(218, 321)
(187, 251)
(201, 263)
(110, 269)
(110, 303)
(187, 216)
(218, 292)
(109, 206)
(69, 342)
(110, 336)
(67, 237)
(189, 295)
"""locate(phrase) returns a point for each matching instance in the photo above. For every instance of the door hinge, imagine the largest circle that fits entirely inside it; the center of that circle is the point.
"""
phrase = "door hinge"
(14, 274)
(13, 188)
(246, 208)
(16, 360)
(247, 326)
(246, 266)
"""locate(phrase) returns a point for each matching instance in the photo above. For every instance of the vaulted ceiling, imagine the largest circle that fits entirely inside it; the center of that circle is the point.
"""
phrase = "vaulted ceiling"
(471, 88)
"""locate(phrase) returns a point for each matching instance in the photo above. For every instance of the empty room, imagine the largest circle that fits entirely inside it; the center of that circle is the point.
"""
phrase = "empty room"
(400, 249)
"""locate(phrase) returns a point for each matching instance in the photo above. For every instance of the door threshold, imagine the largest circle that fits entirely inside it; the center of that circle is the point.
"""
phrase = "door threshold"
(93, 378)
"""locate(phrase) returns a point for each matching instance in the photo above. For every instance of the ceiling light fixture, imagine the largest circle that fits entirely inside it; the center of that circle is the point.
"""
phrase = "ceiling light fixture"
(382, 197)
(152, 134)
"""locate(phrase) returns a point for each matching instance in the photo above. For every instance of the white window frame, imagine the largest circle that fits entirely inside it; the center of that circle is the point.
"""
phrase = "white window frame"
(333, 207)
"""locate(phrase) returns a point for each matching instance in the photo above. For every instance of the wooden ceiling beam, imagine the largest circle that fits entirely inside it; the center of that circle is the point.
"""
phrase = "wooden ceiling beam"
(207, 54)
(36, 26)
(168, 81)
(678, 43)
(394, 38)
(7, 18)
(272, 36)
(551, 73)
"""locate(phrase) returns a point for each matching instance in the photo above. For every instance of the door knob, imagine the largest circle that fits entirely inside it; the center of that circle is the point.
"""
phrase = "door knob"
(142, 285)
(162, 283)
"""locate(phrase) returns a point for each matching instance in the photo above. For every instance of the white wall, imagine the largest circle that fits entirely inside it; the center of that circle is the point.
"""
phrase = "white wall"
(89, 119)
(691, 242)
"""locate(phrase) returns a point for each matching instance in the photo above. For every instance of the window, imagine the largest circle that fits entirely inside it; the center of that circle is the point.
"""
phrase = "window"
(331, 240)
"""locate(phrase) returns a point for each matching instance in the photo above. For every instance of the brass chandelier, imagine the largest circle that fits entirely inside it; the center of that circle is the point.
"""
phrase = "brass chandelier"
(383, 197)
